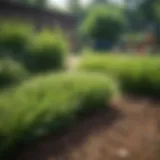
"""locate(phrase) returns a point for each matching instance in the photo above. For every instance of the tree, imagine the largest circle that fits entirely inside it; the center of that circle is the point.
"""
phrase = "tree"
(104, 23)
(150, 12)
(156, 7)
(75, 6)
(133, 15)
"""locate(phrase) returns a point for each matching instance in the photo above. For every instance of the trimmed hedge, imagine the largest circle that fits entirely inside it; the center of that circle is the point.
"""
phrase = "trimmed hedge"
(46, 51)
(50, 103)
(137, 75)
(11, 72)
(40, 52)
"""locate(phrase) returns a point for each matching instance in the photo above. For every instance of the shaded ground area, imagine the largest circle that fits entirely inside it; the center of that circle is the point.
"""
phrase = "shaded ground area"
(130, 130)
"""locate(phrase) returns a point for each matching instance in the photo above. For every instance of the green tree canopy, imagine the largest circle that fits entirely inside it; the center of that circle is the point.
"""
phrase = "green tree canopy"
(75, 6)
(104, 23)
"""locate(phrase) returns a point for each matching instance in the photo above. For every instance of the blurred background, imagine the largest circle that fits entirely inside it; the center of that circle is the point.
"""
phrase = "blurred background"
(128, 25)
(79, 79)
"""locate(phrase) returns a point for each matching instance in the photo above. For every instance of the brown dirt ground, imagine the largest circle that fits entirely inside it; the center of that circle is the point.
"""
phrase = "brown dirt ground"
(130, 131)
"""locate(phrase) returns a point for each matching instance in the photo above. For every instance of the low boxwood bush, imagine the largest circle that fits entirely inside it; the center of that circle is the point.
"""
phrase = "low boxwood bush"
(50, 103)
(11, 72)
(137, 75)
(46, 51)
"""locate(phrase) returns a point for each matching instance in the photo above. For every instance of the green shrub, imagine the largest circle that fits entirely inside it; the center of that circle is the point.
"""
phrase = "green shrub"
(11, 72)
(14, 37)
(46, 51)
(103, 23)
(49, 103)
(138, 75)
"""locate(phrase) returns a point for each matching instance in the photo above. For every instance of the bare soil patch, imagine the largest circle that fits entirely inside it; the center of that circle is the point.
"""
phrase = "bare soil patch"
(130, 131)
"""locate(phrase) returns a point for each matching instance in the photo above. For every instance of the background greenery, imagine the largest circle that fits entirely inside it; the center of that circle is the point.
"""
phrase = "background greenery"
(103, 23)
(37, 105)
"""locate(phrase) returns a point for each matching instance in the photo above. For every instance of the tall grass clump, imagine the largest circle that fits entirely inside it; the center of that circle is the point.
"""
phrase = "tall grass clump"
(50, 103)
(137, 75)
(46, 51)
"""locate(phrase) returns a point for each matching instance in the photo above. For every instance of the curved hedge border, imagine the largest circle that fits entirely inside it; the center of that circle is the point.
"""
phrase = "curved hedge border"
(50, 103)
(137, 75)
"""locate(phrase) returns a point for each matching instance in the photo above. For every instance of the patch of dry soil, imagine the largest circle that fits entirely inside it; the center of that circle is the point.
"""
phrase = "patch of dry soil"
(130, 131)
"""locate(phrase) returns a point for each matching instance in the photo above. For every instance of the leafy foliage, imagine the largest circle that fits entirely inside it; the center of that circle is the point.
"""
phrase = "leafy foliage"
(75, 7)
(104, 23)
(46, 51)
(14, 36)
(41, 51)
(138, 75)
(50, 103)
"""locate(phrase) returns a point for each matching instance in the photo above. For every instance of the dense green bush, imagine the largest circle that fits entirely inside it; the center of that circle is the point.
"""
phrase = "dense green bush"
(40, 51)
(138, 75)
(46, 51)
(103, 23)
(14, 37)
(49, 103)
(11, 72)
